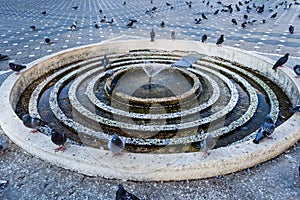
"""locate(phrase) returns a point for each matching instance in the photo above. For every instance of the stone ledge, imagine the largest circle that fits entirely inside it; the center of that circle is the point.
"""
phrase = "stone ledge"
(155, 167)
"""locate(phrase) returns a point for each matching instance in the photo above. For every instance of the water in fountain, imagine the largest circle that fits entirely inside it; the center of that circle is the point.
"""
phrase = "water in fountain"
(217, 102)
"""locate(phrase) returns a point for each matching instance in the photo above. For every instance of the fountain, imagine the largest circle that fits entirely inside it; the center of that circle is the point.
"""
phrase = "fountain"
(161, 110)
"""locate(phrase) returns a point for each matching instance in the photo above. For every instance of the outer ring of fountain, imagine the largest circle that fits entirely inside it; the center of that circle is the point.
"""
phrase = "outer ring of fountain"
(149, 167)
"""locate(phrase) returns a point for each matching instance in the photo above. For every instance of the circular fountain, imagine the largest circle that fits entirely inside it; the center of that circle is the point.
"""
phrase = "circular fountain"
(160, 110)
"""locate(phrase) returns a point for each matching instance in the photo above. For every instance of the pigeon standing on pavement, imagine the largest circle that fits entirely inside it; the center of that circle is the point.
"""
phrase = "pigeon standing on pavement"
(297, 69)
(234, 21)
(203, 38)
(220, 40)
(33, 28)
(152, 35)
(122, 194)
(291, 29)
(73, 26)
(281, 61)
(59, 139)
(48, 41)
(116, 144)
(16, 67)
(33, 123)
(207, 144)
(173, 36)
(3, 146)
(3, 57)
(265, 130)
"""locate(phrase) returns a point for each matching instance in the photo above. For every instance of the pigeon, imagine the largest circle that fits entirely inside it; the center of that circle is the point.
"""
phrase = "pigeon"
(207, 144)
(246, 17)
(110, 22)
(47, 41)
(33, 122)
(96, 25)
(203, 38)
(59, 139)
(297, 69)
(220, 40)
(237, 8)
(204, 16)
(197, 21)
(130, 24)
(243, 25)
(234, 21)
(265, 130)
(168, 4)
(33, 28)
(3, 57)
(173, 36)
(281, 61)
(75, 7)
(291, 29)
(100, 11)
(105, 61)
(116, 144)
(16, 67)
(152, 35)
(44, 13)
(108, 73)
(274, 15)
(122, 194)
(103, 20)
(73, 26)
(162, 24)
(3, 146)
(216, 12)
(294, 109)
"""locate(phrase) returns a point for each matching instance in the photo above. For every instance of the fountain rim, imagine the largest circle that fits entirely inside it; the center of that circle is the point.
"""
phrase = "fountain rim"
(134, 166)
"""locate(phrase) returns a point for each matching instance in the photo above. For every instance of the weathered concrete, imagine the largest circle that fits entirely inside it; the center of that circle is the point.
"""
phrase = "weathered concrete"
(149, 166)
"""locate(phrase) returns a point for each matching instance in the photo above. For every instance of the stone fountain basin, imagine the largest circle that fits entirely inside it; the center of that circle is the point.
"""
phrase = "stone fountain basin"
(149, 167)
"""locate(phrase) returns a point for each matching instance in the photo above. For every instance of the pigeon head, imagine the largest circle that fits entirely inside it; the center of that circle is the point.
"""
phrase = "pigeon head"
(26, 118)
(286, 55)
(116, 140)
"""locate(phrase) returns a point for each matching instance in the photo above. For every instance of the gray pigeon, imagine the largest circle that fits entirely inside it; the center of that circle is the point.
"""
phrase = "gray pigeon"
(105, 61)
(33, 122)
(207, 144)
(122, 194)
(152, 35)
(265, 130)
(297, 69)
(3, 146)
(173, 35)
(116, 144)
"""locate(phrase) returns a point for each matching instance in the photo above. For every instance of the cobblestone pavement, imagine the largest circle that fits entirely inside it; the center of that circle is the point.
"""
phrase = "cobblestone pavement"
(31, 178)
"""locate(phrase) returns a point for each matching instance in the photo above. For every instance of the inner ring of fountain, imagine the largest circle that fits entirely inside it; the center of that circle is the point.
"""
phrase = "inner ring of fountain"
(232, 93)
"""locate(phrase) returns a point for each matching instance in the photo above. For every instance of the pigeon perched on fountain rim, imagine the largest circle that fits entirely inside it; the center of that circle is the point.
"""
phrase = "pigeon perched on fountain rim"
(16, 67)
(116, 144)
(33, 123)
(281, 61)
(59, 139)
(265, 130)
(296, 69)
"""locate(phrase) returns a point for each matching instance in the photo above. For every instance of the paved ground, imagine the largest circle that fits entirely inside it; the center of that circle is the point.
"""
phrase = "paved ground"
(31, 178)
